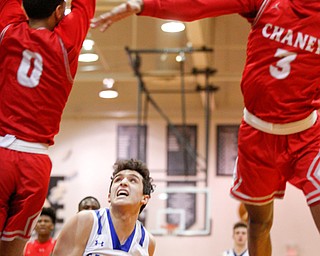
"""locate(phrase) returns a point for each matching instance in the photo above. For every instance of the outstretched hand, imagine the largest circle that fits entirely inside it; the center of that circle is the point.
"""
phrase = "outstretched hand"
(119, 12)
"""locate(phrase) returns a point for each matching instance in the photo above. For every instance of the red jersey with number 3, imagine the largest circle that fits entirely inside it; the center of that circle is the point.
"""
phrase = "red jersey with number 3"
(37, 68)
(281, 81)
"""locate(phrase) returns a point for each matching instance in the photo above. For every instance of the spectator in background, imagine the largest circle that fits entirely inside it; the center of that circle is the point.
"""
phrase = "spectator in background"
(44, 243)
(240, 238)
(88, 203)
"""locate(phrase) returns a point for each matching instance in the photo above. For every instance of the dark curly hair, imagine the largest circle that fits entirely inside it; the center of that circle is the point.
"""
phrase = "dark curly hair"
(50, 212)
(141, 168)
(40, 9)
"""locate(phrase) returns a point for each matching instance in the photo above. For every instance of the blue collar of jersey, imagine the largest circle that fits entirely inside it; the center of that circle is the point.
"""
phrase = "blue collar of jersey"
(115, 240)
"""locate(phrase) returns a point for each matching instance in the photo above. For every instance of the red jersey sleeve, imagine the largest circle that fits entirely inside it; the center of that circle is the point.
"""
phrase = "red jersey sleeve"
(11, 12)
(74, 27)
(190, 10)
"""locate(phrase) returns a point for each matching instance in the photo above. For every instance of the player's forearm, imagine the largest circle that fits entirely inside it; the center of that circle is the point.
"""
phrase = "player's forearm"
(119, 12)
(189, 10)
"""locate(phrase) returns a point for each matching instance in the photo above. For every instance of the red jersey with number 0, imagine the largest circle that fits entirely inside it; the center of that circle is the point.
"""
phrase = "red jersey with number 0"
(37, 68)
(281, 81)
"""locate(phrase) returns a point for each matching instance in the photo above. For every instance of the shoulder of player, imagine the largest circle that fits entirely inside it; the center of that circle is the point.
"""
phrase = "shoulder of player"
(74, 235)
(85, 217)
(80, 223)
(152, 244)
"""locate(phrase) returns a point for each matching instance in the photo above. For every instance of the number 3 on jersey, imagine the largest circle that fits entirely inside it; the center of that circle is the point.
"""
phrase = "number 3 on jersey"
(282, 68)
(30, 69)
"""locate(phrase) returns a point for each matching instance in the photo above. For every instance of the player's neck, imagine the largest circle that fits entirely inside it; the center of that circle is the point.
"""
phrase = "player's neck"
(124, 223)
(239, 249)
(43, 238)
(41, 23)
(124, 216)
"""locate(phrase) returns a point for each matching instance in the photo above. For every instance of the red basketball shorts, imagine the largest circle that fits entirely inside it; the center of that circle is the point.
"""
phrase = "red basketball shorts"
(24, 180)
(267, 162)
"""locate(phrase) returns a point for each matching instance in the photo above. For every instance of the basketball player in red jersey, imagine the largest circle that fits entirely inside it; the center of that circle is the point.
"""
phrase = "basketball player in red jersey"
(279, 137)
(39, 57)
(44, 243)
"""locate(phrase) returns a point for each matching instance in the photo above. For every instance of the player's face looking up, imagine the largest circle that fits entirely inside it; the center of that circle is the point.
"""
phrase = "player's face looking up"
(127, 189)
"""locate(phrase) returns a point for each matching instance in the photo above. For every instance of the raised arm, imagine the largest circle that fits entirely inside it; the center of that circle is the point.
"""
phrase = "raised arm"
(11, 12)
(183, 10)
(119, 12)
(74, 235)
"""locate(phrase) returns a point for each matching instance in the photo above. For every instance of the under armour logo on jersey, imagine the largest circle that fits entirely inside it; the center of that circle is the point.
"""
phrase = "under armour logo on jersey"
(97, 242)
(276, 6)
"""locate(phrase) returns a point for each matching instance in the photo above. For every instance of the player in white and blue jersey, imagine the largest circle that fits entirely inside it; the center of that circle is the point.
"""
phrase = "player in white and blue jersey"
(115, 231)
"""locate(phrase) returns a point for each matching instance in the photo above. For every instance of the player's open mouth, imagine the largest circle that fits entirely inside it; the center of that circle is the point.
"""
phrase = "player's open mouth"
(122, 192)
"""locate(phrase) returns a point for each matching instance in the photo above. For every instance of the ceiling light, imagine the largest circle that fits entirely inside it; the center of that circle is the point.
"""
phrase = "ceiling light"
(108, 91)
(173, 26)
(87, 52)
(163, 56)
(181, 57)
(88, 44)
(88, 57)
(108, 94)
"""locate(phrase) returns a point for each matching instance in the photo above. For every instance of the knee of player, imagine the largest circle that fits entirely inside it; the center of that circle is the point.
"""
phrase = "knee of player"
(260, 227)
